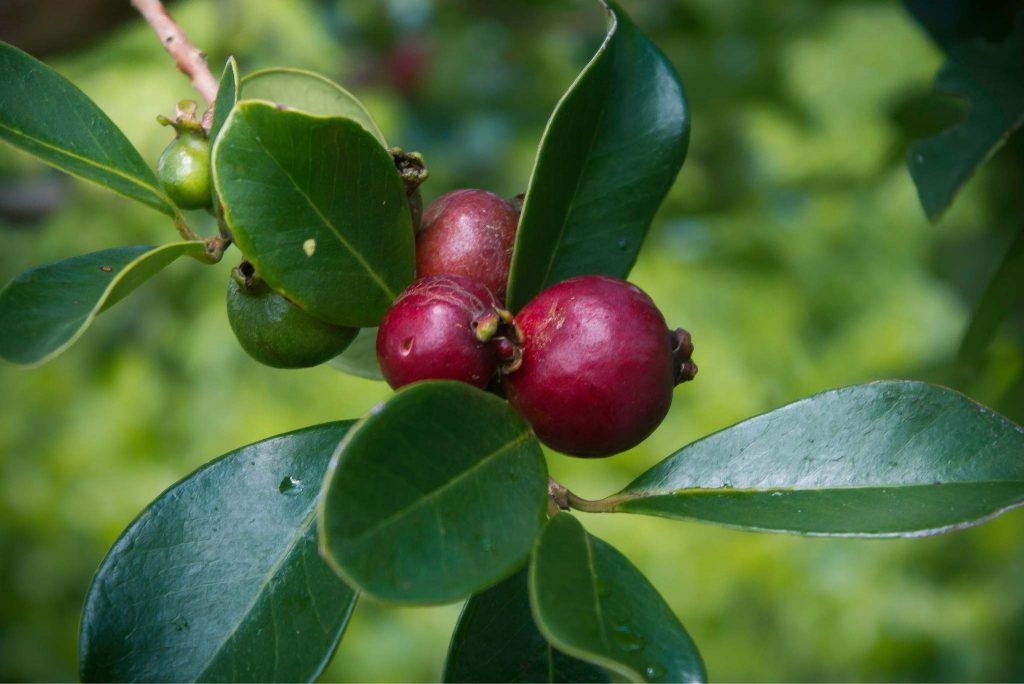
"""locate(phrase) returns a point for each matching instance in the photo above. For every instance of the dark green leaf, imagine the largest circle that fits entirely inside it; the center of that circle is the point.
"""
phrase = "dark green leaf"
(316, 204)
(45, 309)
(893, 458)
(991, 79)
(227, 95)
(310, 92)
(612, 149)
(591, 602)
(360, 359)
(950, 22)
(435, 495)
(1002, 291)
(219, 579)
(497, 640)
(44, 114)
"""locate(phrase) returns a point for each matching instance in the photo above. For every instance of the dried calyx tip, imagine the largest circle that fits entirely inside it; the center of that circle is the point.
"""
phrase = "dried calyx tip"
(682, 353)
(511, 355)
(244, 274)
(411, 168)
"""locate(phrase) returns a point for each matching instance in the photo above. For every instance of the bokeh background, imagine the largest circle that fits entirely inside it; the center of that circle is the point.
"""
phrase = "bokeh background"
(792, 245)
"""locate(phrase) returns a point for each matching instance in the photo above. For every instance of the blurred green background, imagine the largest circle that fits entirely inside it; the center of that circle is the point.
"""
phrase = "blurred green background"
(792, 246)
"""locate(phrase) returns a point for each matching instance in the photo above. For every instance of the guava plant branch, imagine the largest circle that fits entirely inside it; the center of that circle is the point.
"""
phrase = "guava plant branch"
(189, 59)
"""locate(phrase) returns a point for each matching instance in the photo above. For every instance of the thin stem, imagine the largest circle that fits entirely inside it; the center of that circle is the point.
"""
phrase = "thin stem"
(189, 59)
(215, 245)
(588, 506)
(560, 498)
(185, 230)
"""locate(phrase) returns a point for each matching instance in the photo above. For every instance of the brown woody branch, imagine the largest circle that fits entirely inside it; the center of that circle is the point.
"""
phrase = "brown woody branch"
(189, 59)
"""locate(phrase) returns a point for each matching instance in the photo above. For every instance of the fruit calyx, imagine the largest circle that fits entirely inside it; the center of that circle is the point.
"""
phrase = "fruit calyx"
(185, 121)
(411, 168)
(245, 275)
(682, 355)
(509, 347)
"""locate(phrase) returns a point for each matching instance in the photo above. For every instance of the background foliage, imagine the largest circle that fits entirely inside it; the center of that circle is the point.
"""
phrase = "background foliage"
(792, 245)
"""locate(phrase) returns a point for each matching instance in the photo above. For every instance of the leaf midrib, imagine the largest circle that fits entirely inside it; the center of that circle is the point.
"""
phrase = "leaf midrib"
(433, 494)
(304, 526)
(626, 496)
(356, 254)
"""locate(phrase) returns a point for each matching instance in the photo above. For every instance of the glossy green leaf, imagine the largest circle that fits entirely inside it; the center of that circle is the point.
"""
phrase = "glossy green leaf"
(435, 495)
(1003, 290)
(310, 92)
(612, 149)
(227, 95)
(592, 603)
(360, 359)
(894, 458)
(316, 204)
(991, 78)
(950, 22)
(46, 115)
(47, 308)
(496, 640)
(219, 578)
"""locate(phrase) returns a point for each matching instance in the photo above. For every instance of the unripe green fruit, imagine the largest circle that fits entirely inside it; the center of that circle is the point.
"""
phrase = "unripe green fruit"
(276, 332)
(184, 170)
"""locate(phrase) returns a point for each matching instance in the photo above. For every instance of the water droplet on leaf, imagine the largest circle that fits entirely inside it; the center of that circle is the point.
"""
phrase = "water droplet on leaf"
(290, 485)
(626, 639)
(654, 671)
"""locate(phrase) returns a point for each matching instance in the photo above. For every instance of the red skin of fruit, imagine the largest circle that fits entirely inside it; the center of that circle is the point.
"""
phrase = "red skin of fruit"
(469, 233)
(428, 333)
(598, 371)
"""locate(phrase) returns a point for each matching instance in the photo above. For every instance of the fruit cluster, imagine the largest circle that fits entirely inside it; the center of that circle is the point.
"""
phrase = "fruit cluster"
(589, 362)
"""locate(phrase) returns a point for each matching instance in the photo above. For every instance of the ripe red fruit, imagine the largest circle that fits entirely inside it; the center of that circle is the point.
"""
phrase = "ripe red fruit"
(441, 328)
(598, 366)
(469, 233)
